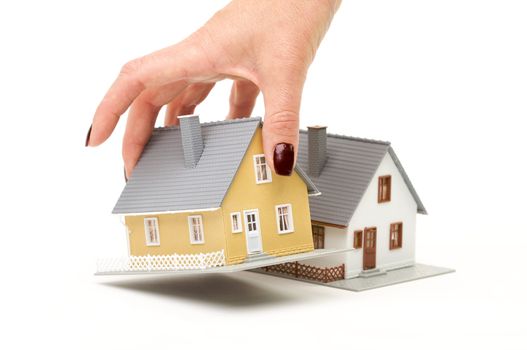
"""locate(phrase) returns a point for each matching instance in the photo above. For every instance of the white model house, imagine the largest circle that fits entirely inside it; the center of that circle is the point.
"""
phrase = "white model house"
(368, 202)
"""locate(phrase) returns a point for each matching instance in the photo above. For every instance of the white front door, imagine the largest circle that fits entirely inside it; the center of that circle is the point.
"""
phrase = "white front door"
(252, 231)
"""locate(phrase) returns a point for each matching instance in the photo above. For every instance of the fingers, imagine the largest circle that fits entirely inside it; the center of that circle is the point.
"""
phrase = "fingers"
(186, 102)
(141, 121)
(176, 63)
(282, 97)
(242, 99)
(142, 118)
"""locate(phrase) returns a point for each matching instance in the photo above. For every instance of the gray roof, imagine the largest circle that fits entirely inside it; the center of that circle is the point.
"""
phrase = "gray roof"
(350, 166)
(160, 181)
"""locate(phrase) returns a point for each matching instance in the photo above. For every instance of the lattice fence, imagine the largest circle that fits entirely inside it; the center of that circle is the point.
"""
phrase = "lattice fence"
(298, 270)
(175, 262)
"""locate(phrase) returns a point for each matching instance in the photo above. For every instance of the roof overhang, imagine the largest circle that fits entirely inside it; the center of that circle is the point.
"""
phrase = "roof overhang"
(312, 190)
(321, 223)
(420, 206)
(168, 212)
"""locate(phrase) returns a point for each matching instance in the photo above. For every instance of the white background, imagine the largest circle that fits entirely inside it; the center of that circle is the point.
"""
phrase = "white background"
(445, 81)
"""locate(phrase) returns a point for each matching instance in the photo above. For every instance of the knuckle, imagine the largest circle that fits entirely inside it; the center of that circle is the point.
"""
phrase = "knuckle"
(133, 66)
(284, 122)
(130, 71)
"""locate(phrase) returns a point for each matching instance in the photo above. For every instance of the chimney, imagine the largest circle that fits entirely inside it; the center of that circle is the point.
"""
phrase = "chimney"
(316, 149)
(191, 139)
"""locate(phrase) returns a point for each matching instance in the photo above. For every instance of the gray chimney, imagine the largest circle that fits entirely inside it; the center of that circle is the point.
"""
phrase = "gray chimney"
(191, 139)
(316, 149)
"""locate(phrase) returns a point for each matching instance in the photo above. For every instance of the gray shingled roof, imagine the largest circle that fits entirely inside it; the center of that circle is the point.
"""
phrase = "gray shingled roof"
(349, 169)
(161, 183)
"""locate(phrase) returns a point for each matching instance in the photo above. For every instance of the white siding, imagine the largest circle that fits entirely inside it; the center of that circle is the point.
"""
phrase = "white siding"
(335, 238)
(369, 213)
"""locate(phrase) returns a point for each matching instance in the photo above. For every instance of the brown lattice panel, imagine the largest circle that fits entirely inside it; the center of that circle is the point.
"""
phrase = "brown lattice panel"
(314, 273)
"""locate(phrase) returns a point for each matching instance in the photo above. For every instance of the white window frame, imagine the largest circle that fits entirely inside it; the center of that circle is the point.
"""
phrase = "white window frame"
(268, 170)
(289, 215)
(150, 243)
(190, 229)
(238, 216)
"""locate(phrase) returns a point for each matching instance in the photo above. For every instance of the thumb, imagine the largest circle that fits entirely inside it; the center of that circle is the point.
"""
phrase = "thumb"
(281, 123)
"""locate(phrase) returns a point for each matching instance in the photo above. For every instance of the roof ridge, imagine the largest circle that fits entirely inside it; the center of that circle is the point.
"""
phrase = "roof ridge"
(213, 123)
(354, 138)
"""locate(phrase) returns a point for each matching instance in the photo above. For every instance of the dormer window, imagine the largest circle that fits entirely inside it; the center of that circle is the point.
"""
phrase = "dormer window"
(261, 169)
(385, 189)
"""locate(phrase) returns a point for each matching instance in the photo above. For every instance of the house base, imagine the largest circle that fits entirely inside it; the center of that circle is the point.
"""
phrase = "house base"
(249, 264)
(377, 280)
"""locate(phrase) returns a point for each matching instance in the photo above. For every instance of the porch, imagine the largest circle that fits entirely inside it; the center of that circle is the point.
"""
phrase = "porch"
(375, 280)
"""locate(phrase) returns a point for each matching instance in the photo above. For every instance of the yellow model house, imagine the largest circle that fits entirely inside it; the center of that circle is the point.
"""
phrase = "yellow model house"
(200, 189)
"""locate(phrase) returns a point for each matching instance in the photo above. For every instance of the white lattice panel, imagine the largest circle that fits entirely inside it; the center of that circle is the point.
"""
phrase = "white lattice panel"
(173, 262)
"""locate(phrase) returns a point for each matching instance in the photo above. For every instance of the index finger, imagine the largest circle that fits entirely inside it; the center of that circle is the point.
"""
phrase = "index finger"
(178, 62)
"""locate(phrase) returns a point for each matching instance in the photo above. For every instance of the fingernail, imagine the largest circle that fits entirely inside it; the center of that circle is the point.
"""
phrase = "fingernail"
(88, 137)
(284, 158)
(125, 178)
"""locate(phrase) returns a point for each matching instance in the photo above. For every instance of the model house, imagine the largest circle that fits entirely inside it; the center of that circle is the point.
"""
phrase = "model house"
(202, 198)
(206, 188)
(367, 202)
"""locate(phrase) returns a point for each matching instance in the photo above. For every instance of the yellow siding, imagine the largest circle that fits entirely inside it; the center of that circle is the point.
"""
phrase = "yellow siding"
(174, 234)
(245, 194)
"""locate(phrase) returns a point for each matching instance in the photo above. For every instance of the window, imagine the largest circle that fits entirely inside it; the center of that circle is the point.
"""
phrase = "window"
(236, 222)
(370, 239)
(318, 236)
(396, 235)
(385, 188)
(357, 239)
(261, 169)
(151, 231)
(284, 218)
(195, 227)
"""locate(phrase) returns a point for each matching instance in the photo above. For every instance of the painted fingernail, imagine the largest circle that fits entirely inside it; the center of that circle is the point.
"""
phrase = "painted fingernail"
(88, 137)
(125, 178)
(284, 158)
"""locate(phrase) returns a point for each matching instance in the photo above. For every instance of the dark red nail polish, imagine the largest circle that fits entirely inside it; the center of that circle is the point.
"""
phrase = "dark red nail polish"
(284, 158)
(88, 137)
(125, 178)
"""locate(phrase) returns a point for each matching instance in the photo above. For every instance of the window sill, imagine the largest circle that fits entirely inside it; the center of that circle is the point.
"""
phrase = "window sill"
(153, 244)
(285, 232)
(197, 243)
(263, 182)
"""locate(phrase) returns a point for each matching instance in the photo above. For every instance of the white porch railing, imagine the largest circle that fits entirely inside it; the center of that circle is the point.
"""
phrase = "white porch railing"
(175, 262)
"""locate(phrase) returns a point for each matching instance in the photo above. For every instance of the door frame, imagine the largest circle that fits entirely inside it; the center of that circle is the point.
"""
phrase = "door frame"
(257, 217)
(364, 247)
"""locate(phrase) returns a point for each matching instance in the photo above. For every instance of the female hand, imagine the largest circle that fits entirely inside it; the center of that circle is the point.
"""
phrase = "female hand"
(261, 45)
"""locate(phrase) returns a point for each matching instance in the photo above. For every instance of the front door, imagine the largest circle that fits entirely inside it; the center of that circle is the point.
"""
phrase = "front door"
(370, 248)
(252, 231)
